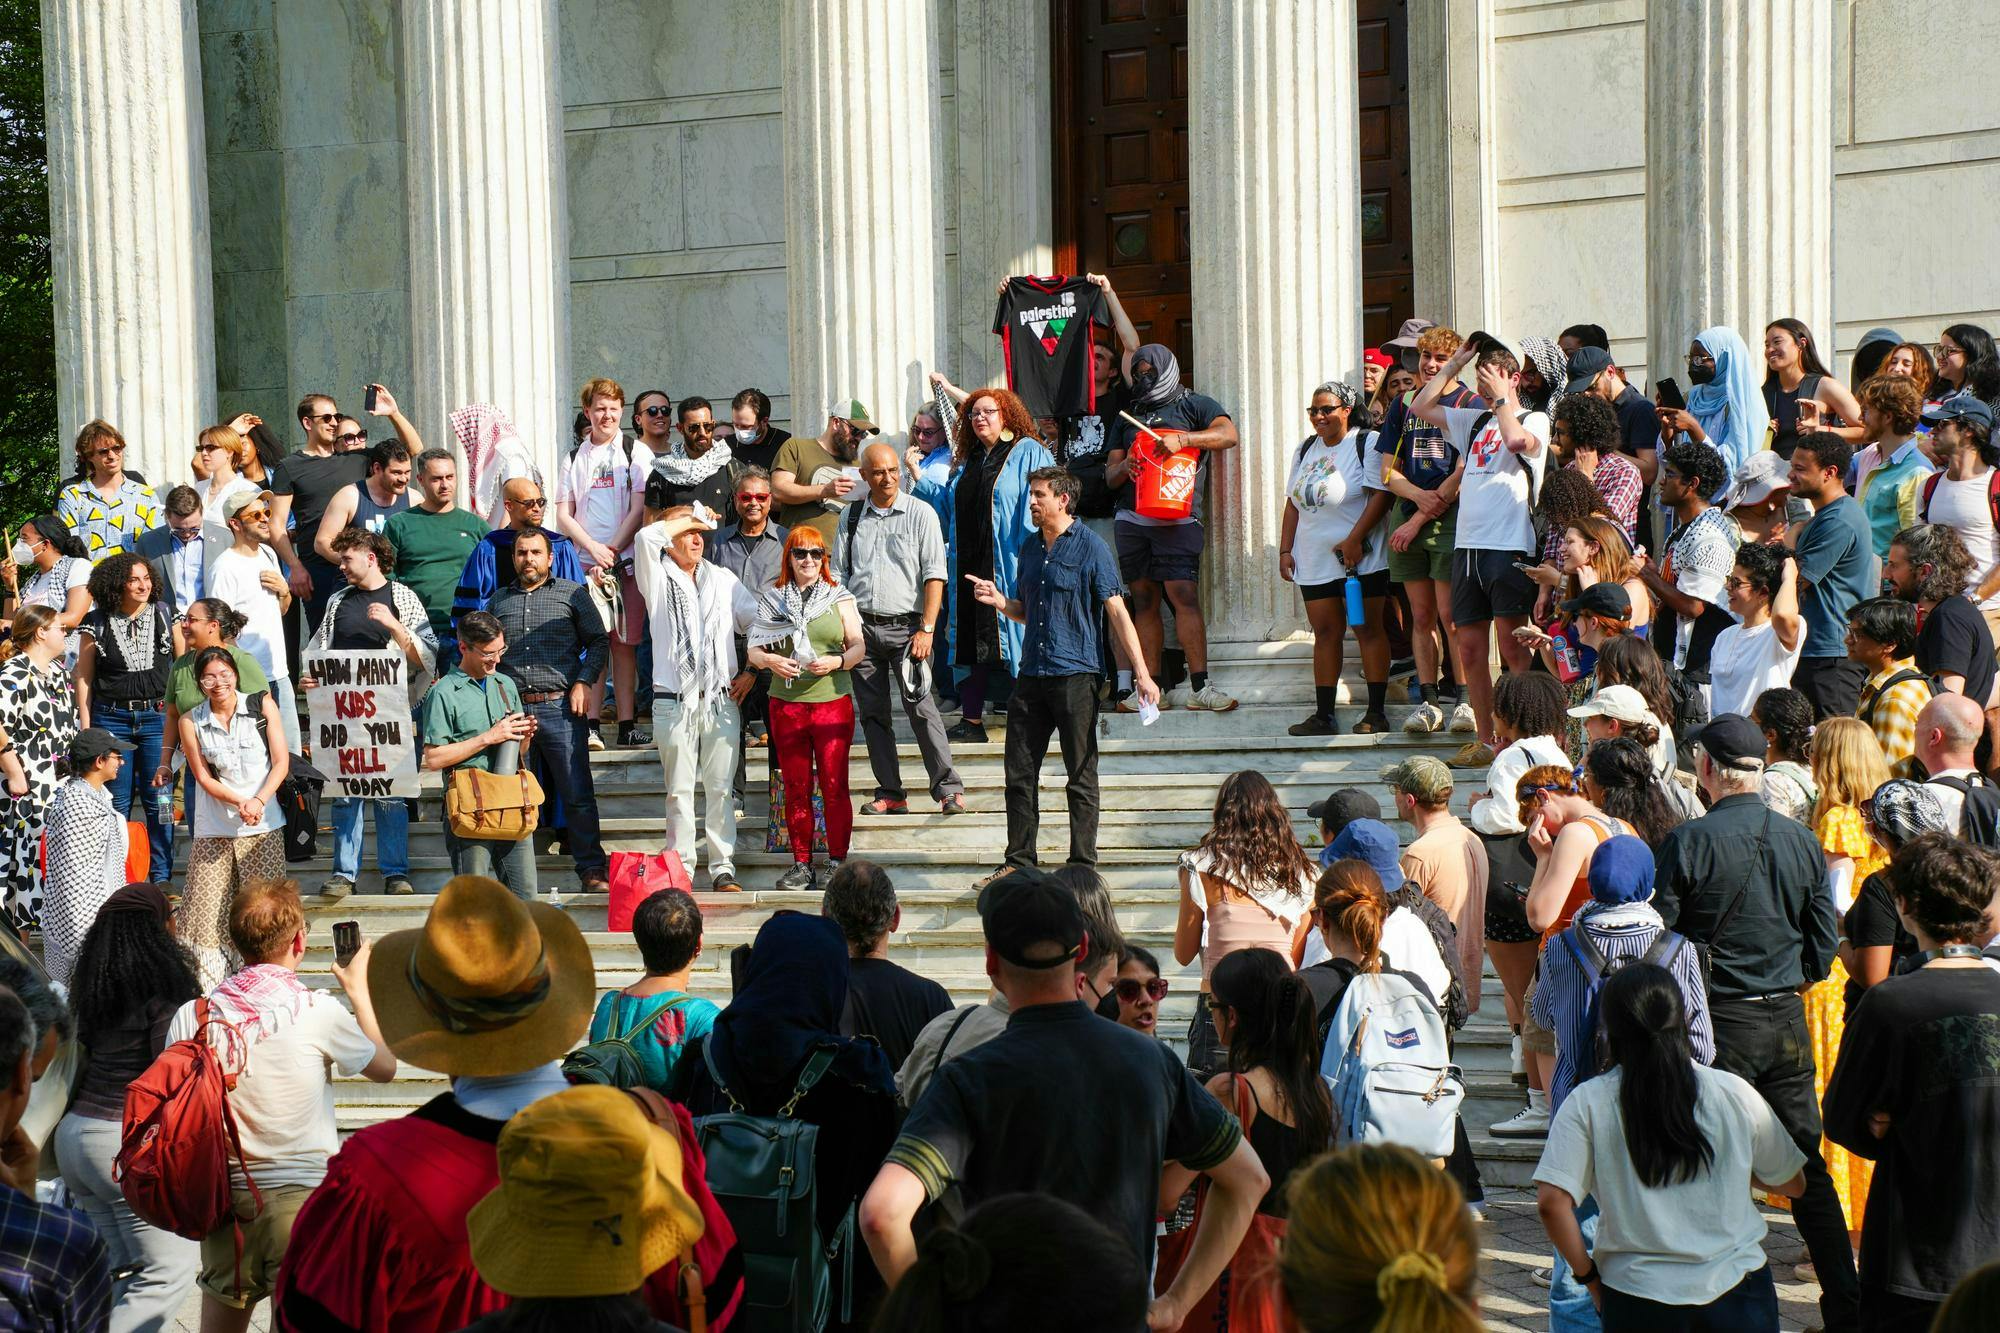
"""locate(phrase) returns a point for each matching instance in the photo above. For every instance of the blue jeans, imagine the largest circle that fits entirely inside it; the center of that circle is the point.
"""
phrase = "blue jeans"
(512, 863)
(1751, 1306)
(144, 729)
(561, 750)
(1570, 1307)
(392, 836)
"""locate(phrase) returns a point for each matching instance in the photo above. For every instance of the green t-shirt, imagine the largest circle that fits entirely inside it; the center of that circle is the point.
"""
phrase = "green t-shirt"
(459, 708)
(827, 640)
(185, 695)
(431, 551)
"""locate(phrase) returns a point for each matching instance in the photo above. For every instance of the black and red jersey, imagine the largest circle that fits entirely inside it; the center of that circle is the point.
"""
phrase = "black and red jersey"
(1045, 327)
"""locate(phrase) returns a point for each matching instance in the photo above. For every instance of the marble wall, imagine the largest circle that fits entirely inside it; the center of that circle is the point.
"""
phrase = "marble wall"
(309, 220)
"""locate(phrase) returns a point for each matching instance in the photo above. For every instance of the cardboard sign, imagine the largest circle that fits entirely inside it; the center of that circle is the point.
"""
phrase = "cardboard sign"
(362, 737)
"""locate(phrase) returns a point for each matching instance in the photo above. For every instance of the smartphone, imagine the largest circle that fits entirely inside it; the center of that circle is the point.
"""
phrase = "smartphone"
(346, 941)
(1524, 566)
(368, 399)
(1667, 393)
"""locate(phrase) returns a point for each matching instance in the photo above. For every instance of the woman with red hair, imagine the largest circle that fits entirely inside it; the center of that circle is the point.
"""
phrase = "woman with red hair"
(808, 636)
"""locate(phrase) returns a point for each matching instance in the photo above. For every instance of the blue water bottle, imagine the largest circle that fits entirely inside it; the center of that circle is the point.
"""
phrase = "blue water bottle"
(1355, 615)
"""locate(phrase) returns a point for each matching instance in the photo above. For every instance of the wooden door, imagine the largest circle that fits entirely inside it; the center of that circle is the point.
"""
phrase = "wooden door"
(1382, 60)
(1121, 157)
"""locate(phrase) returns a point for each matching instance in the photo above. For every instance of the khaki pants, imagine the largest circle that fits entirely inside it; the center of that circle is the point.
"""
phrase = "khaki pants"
(265, 1237)
(216, 869)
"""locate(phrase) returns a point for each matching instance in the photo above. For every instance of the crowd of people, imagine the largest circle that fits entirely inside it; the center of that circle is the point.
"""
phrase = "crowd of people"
(1728, 842)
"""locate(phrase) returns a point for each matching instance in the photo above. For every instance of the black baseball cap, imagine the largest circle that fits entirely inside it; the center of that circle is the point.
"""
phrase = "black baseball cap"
(1601, 599)
(1733, 741)
(1585, 365)
(1024, 912)
(92, 744)
(1343, 807)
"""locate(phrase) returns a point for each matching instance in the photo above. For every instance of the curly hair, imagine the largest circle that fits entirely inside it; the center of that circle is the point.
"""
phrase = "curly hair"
(1787, 715)
(1763, 566)
(1895, 397)
(129, 960)
(108, 580)
(1626, 660)
(1567, 496)
(1250, 840)
(352, 536)
(1591, 422)
(1014, 416)
(1628, 789)
(1925, 366)
(1944, 885)
(1699, 462)
(1939, 546)
(1531, 703)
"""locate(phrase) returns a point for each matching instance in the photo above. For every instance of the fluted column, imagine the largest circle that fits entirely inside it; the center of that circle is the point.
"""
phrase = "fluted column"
(1739, 170)
(861, 236)
(128, 224)
(1006, 212)
(1277, 268)
(489, 242)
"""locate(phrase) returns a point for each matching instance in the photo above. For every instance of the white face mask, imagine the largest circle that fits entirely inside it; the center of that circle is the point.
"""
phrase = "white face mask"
(746, 436)
(23, 553)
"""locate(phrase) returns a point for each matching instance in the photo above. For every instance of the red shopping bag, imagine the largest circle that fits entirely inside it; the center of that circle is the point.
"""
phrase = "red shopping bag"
(635, 876)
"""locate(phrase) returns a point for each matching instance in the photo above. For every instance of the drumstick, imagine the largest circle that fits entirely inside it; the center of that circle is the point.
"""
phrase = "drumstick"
(1127, 416)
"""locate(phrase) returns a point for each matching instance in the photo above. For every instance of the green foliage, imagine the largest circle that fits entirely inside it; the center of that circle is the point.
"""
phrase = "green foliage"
(28, 447)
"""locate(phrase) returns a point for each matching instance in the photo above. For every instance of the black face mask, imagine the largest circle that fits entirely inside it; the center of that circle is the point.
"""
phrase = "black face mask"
(1701, 372)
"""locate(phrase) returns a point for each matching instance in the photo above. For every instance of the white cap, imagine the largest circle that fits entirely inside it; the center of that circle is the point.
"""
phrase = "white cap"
(1620, 703)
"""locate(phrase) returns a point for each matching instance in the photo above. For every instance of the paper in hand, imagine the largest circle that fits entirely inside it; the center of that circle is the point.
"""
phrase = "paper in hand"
(1149, 712)
(706, 516)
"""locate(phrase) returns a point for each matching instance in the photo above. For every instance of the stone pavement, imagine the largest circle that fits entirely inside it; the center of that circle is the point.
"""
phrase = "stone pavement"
(1512, 1246)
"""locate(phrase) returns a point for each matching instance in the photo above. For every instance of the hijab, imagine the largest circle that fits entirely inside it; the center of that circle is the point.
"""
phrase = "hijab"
(1730, 407)
(789, 1005)
(1165, 386)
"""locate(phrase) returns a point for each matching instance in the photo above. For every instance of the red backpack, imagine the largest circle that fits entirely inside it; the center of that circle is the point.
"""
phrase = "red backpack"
(1992, 495)
(173, 1160)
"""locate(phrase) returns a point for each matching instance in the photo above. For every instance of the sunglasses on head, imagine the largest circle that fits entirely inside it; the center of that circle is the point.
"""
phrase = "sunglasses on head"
(1131, 988)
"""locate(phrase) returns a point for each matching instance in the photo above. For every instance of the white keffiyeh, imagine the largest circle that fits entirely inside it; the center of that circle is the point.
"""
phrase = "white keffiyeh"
(681, 470)
(788, 612)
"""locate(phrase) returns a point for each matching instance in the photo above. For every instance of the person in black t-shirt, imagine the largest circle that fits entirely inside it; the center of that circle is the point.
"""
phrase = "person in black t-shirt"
(1064, 1103)
(753, 439)
(1917, 1088)
(885, 1001)
(1082, 440)
(1929, 565)
(1878, 945)
(1044, 326)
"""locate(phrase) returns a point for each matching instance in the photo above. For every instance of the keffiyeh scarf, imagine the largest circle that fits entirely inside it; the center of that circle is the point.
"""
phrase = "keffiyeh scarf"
(680, 470)
(704, 676)
(1548, 359)
(254, 999)
(787, 612)
(489, 439)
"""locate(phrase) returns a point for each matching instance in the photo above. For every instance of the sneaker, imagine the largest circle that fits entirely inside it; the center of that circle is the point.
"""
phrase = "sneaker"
(724, 881)
(1180, 696)
(882, 805)
(953, 804)
(1531, 1123)
(795, 880)
(1126, 701)
(1424, 719)
(399, 885)
(989, 877)
(1476, 1208)
(1211, 698)
(1543, 1277)
(1462, 721)
(967, 731)
(596, 739)
(1402, 666)
(1473, 754)
(1319, 724)
(823, 871)
(336, 888)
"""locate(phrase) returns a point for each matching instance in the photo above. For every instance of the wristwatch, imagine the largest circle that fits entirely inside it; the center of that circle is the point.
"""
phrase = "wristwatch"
(925, 630)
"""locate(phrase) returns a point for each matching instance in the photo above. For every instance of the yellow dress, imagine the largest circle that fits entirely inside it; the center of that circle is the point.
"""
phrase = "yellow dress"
(1841, 833)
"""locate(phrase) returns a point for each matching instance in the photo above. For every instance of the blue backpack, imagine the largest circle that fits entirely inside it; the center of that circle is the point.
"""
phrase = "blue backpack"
(1388, 1062)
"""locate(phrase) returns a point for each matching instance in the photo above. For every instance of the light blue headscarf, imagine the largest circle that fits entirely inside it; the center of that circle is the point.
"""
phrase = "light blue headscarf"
(1730, 407)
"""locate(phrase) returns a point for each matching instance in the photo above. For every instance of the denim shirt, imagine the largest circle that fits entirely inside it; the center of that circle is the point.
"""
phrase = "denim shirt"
(1063, 589)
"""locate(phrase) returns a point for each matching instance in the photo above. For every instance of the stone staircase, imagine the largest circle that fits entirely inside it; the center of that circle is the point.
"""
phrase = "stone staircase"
(1159, 784)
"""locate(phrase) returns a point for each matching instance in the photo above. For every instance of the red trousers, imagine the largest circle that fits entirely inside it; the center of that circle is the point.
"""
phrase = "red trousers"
(814, 737)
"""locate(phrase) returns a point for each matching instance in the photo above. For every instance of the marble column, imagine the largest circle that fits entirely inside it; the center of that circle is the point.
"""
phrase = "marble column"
(862, 145)
(1277, 269)
(1739, 170)
(128, 223)
(489, 241)
(1454, 213)
(1005, 211)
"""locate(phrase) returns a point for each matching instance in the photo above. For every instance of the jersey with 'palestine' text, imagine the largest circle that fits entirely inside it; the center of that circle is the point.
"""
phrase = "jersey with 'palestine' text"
(1045, 330)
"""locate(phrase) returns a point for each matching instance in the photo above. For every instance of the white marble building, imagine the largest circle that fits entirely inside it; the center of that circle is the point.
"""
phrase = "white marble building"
(496, 199)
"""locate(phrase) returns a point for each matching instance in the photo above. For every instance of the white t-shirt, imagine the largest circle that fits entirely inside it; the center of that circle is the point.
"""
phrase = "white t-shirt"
(1745, 663)
(1493, 512)
(234, 580)
(1499, 811)
(211, 505)
(1328, 487)
(601, 484)
(284, 1099)
(1967, 508)
(1407, 946)
(1681, 1244)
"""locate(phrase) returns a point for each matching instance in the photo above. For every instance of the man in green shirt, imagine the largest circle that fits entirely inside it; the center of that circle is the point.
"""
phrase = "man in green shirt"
(432, 541)
(468, 716)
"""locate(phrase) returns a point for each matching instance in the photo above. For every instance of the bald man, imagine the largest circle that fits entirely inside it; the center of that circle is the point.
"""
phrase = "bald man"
(490, 567)
(1948, 731)
(889, 552)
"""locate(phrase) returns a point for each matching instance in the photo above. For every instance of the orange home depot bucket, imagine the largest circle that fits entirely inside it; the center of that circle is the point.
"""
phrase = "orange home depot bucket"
(1164, 486)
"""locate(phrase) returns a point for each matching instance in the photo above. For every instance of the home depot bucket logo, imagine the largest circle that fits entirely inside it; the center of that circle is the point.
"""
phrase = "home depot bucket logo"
(1048, 322)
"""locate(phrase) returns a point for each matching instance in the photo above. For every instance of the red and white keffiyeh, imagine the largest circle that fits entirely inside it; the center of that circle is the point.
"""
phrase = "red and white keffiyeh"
(257, 998)
(494, 452)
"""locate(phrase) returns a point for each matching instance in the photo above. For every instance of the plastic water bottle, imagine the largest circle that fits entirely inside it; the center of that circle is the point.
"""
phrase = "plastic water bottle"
(1356, 615)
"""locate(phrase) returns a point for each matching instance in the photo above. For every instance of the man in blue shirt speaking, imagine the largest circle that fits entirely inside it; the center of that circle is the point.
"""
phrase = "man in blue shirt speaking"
(1067, 573)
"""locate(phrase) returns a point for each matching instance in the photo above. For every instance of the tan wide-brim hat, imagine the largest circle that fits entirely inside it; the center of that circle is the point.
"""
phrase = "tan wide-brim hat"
(490, 985)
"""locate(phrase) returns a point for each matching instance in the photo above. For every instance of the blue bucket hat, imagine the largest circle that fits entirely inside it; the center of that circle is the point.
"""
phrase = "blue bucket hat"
(1372, 841)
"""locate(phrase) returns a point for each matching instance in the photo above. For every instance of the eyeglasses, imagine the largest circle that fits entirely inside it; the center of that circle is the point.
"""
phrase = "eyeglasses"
(1131, 988)
(657, 411)
(326, 418)
(352, 437)
(186, 534)
(753, 497)
(107, 451)
(1736, 585)
(984, 412)
(809, 553)
(926, 432)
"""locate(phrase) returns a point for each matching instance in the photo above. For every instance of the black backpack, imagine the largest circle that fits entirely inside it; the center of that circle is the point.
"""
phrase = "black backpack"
(1979, 818)
(1597, 969)
(298, 795)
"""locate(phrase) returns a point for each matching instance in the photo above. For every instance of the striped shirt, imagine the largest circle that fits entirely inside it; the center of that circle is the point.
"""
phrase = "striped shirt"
(1562, 996)
(55, 1276)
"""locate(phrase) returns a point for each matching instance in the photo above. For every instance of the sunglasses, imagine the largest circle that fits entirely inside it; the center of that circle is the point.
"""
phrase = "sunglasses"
(539, 503)
(328, 417)
(249, 515)
(352, 437)
(753, 498)
(658, 411)
(1322, 411)
(697, 428)
(1131, 988)
(809, 553)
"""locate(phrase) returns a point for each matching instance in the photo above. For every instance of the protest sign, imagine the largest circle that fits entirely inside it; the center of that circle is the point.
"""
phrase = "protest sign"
(362, 738)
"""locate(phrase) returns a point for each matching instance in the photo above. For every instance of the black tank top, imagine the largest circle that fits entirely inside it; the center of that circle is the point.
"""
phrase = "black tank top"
(1783, 406)
(1282, 1150)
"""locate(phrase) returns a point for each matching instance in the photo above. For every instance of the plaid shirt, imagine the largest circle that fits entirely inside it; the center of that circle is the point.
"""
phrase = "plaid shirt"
(55, 1276)
(1618, 485)
(1893, 714)
(555, 636)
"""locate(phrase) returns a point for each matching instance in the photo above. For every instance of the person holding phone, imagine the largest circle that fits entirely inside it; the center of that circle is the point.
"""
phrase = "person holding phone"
(1725, 410)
